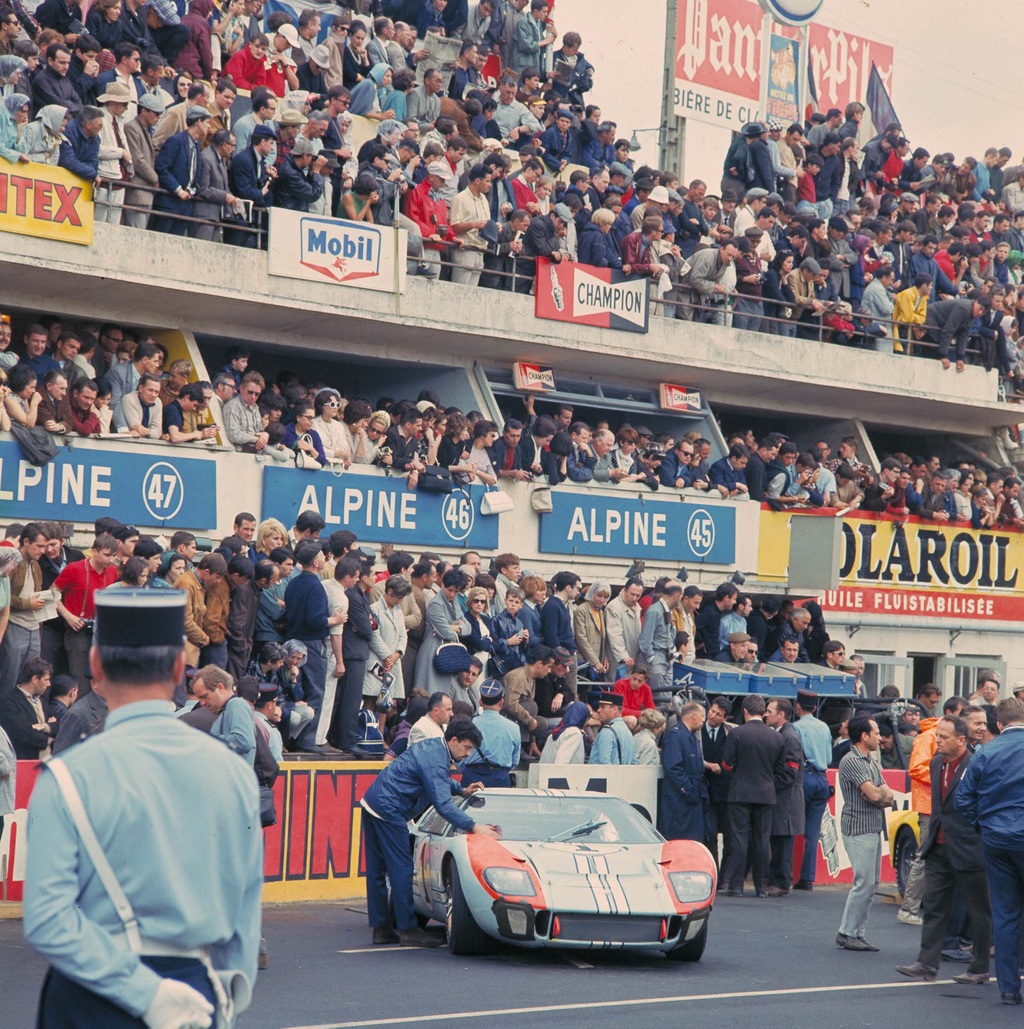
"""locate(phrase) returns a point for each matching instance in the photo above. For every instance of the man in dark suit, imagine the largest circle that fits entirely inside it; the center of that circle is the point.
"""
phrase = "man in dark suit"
(713, 735)
(684, 793)
(355, 651)
(556, 620)
(788, 813)
(755, 757)
(22, 714)
(177, 166)
(953, 860)
(250, 177)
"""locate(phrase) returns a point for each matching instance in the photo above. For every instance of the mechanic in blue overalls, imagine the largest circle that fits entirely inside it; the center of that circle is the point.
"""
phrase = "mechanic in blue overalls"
(420, 776)
(493, 762)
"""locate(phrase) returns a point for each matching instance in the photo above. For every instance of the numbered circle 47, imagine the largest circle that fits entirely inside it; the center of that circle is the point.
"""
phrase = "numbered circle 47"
(700, 532)
(457, 515)
(163, 491)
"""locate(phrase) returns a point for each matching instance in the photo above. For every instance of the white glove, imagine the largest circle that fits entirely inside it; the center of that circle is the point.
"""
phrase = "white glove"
(178, 1006)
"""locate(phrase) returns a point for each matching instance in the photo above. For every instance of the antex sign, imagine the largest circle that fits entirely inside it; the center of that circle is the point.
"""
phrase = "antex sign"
(40, 200)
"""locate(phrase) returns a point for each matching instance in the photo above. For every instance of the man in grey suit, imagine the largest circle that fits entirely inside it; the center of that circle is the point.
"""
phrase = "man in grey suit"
(213, 192)
(138, 134)
(953, 860)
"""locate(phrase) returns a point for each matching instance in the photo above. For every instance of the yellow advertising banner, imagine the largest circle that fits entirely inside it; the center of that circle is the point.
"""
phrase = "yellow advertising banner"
(45, 201)
(911, 567)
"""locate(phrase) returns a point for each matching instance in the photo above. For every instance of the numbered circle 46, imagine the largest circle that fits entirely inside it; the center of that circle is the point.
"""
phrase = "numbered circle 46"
(163, 491)
(457, 515)
(700, 532)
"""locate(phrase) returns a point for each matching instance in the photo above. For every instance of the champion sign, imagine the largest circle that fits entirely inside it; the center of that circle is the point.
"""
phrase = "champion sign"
(570, 292)
(305, 246)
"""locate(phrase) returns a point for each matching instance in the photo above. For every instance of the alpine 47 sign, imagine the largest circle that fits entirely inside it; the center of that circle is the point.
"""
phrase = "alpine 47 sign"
(581, 293)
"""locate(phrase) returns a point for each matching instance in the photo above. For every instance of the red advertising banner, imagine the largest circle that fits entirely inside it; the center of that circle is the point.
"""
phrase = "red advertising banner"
(925, 603)
(581, 293)
(718, 62)
(314, 852)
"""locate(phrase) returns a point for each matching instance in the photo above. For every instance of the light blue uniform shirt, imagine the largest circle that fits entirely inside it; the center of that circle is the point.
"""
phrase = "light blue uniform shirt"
(178, 817)
(605, 752)
(816, 740)
(235, 727)
(501, 743)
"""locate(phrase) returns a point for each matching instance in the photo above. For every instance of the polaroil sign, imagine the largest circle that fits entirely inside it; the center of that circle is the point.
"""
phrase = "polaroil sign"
(907, 566)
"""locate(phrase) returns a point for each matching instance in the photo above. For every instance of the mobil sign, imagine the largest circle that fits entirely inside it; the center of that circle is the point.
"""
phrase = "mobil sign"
(581, 293)
(320, 249)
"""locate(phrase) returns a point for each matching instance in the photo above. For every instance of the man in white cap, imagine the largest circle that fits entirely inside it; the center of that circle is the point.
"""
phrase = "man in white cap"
(311, 72)
(281, 74)
(177, 166)
(115, 164)
(425, 205)
(656, 203)
(139, 135)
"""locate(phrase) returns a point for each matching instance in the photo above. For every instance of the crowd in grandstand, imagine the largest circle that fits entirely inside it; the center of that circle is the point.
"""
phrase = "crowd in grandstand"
(95, 380)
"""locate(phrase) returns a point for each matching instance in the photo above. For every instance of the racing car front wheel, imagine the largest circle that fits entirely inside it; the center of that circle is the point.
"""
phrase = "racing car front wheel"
(691, 950)
(464, 935)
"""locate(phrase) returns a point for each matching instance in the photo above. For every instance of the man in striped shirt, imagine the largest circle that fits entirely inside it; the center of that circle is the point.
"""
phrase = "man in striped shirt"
(865, 798)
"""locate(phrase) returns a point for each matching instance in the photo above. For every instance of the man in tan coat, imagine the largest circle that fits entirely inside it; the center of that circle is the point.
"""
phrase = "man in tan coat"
(138, 134)
(210, 570)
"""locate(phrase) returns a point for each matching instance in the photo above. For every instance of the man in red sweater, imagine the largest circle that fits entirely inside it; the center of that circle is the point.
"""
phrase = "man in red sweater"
(636, 694)
(426, 206)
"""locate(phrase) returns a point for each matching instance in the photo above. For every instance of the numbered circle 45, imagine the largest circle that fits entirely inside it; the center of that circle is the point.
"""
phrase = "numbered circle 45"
(457, 515)
(700, 532)
(163, 491)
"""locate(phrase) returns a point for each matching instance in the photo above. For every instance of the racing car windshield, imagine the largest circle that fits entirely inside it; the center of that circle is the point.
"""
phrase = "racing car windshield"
(553, 819)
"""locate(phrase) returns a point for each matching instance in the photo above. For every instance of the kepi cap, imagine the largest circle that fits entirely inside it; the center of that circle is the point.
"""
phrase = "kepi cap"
(611, 698)
(140, 618)
(491, 690)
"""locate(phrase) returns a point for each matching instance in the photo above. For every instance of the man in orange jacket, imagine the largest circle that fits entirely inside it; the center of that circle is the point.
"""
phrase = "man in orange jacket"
(921, 802)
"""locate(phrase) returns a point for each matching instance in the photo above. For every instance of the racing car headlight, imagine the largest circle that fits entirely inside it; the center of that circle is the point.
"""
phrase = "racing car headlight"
(512, 882)
(691, 887)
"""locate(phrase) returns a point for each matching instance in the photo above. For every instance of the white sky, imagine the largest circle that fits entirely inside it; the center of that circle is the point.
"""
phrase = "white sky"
(953, 84)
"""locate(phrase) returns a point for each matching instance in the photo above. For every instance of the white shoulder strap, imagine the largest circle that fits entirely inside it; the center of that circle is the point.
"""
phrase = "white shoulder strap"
(110, 881)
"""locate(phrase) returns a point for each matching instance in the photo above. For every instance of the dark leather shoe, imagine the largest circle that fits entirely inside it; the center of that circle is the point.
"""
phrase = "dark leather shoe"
(419, 938)
(850, 942)
(867, 946)
(384, 934)
(804, 884)
(777, 891)
(918, 971)
(1009, 998)
(957, 955)
(972, 978)
(734, 893)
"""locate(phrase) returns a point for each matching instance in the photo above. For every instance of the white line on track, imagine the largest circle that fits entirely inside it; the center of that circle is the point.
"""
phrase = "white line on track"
(390, 949)
(542, 1009)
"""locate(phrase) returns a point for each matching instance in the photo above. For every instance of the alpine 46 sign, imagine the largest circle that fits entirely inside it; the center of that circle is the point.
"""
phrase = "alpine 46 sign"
(581, 293)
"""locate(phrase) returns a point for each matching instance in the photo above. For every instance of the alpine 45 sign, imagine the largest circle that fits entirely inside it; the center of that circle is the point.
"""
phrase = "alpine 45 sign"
(581, 293)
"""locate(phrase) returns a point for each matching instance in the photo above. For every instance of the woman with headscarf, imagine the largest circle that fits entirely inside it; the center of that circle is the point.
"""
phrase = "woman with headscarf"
(11, 68)
(13, 134)
(370, 97)
(43, 135)
(567, 744)
(295, 712)
(591, 632)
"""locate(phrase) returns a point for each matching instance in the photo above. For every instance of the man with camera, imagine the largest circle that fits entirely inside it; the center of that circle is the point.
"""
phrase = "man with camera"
(77, 585)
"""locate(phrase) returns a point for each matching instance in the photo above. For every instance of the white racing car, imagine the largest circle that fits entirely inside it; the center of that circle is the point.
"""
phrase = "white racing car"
(579, 870)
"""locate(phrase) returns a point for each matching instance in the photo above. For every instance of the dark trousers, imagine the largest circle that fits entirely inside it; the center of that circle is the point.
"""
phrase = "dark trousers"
(64, 1004)
(941, 882)
(489, 775)
(214, 654)
(1006, 884)
(77, 646)
(816, 794)
(51, 645)
(749, 824)
(348, 699)
(716, 820)
(314, 677)
(781, 870)
(388, 858)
